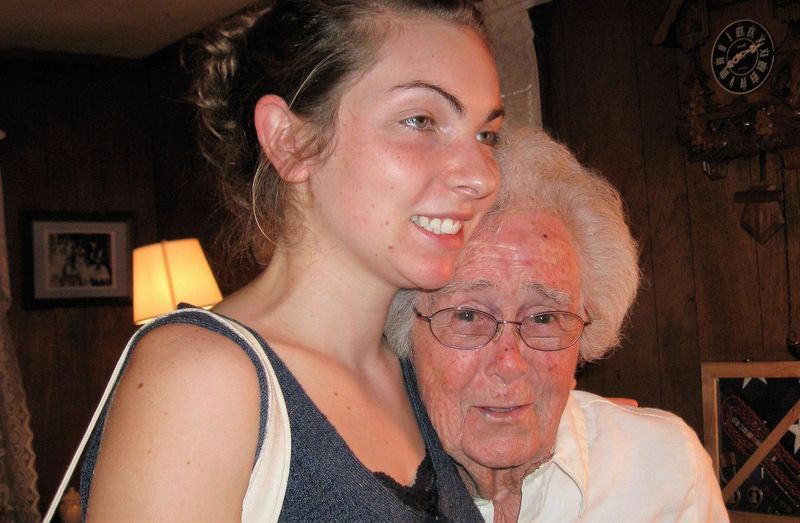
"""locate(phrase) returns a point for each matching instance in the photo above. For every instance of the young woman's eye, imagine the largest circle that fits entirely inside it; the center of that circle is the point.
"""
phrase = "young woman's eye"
(487, 137)
(418, 122)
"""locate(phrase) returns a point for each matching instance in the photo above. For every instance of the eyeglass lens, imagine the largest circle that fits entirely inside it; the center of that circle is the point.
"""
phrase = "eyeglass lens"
(470, 329)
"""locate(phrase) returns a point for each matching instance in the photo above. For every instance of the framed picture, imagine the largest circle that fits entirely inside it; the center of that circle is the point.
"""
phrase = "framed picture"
(77, 259)
(750, 417)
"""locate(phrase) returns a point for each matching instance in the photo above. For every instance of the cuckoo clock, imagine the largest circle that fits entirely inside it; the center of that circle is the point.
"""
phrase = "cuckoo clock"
(741, 94)
(740, 98)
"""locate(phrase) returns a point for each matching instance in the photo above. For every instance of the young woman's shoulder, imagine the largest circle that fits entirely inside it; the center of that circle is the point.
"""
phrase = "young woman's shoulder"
(180, 438)
(185, 352)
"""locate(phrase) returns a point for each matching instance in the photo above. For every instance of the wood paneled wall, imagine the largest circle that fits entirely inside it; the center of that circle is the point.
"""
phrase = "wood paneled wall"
(114, 136)
(711, 292)
(90, 135)
(78, 140)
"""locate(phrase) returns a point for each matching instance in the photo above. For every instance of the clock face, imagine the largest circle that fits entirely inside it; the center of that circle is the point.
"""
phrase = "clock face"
(742, 57)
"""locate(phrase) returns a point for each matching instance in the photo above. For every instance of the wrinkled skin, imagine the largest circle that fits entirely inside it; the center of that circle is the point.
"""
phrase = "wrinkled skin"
(497, 408)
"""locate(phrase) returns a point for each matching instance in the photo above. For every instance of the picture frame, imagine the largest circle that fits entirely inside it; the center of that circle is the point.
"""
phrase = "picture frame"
(751, 422)
(76, 259)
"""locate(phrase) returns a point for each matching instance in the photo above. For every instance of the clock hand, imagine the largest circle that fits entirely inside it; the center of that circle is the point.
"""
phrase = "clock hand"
(755, 45)
(737, 58)
(744, 52)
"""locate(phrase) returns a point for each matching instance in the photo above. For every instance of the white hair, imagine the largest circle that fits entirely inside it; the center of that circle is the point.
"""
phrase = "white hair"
(539, 174)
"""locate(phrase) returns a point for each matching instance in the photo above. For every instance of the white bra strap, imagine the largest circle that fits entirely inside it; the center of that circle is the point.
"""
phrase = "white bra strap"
(86, 435)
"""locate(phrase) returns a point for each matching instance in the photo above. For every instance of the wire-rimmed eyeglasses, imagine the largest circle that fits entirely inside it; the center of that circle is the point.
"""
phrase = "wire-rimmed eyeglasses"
(467, 329)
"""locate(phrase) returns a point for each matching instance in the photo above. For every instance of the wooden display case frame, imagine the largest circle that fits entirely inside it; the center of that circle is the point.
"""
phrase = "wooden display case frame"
(711, 374)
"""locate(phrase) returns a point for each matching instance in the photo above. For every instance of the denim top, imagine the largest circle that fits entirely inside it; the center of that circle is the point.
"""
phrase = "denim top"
(326, 480)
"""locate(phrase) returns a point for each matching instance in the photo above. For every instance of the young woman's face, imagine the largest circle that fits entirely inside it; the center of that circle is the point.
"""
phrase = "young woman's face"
(412, 164)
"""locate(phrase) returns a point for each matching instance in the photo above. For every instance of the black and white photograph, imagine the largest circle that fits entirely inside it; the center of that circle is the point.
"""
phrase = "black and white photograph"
(77, 259)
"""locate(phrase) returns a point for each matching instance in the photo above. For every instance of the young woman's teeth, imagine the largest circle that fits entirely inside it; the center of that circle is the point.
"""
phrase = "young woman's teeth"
(437, 225)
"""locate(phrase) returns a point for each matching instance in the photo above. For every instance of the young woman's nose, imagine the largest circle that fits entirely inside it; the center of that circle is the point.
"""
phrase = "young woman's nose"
(474, 171)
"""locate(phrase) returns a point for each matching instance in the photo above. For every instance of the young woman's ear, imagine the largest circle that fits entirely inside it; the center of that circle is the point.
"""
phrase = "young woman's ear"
(278, 130)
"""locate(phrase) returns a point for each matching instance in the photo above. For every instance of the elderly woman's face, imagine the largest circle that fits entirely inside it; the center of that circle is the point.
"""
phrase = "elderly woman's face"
(499, 406)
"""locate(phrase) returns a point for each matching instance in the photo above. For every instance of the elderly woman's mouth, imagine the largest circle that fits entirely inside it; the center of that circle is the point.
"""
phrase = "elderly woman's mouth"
(503, 412)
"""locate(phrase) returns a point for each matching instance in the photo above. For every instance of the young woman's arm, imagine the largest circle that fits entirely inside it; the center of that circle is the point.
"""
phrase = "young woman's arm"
(180, 438)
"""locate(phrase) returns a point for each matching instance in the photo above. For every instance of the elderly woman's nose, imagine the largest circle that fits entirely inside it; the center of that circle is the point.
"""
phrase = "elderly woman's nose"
(508, 355)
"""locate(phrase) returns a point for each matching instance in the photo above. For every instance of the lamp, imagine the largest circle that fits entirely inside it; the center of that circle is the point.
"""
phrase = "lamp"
(168, 273)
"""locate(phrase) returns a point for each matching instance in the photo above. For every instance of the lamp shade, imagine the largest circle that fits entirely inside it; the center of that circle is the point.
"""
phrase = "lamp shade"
(168, 273)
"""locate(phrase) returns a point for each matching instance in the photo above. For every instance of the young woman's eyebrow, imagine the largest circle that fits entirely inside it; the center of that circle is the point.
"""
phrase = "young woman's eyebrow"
(496, 113)
(451, 99)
